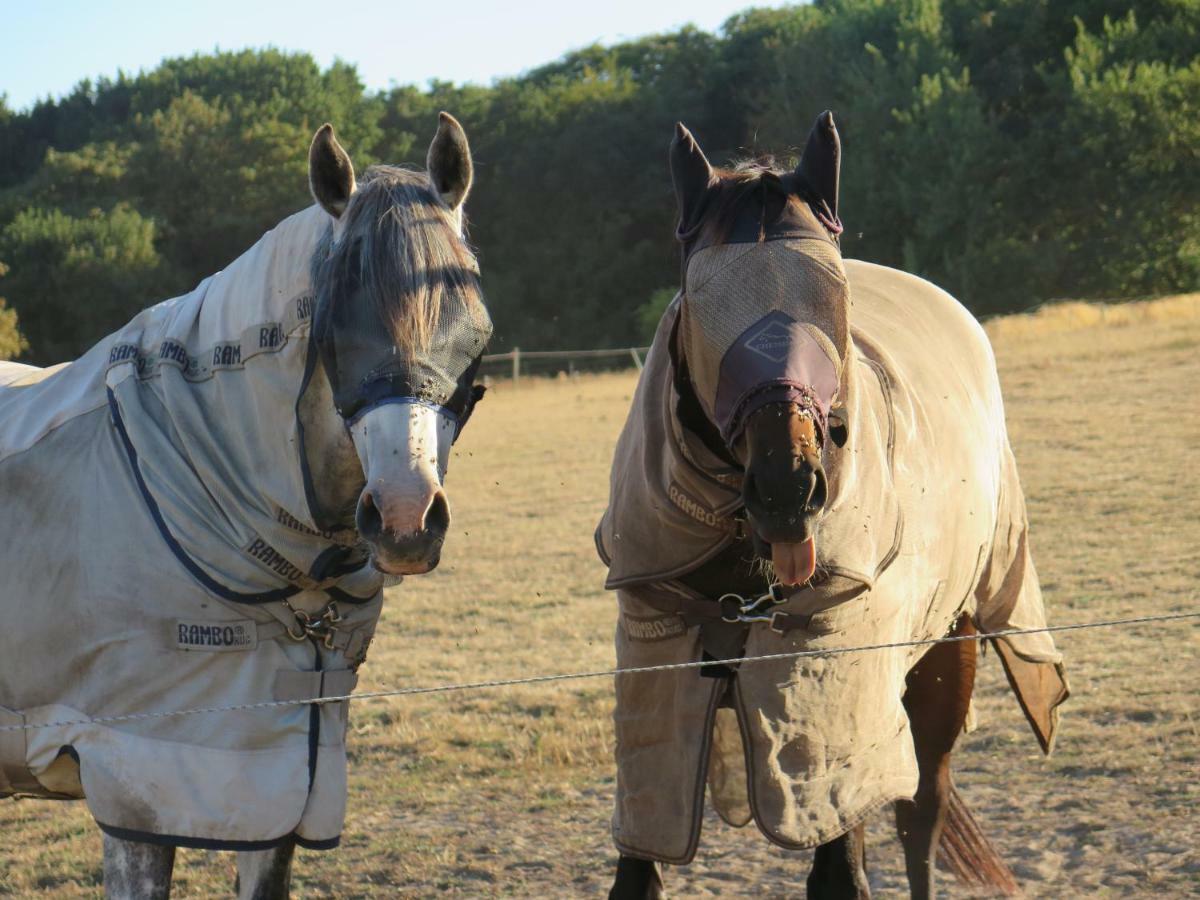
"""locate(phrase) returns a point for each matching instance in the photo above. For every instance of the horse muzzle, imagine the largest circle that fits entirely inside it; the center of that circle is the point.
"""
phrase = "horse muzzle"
(783, 516)
(784, 489)
(785, 509)
(412, 550)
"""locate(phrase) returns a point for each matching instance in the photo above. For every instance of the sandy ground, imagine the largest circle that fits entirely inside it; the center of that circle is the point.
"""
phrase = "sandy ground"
(508, 792)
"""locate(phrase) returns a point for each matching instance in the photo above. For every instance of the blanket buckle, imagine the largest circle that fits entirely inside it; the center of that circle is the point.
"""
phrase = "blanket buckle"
(321, 626)
(752, 610)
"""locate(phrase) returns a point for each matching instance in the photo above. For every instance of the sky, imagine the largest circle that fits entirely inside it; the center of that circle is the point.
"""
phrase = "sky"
(47, 46)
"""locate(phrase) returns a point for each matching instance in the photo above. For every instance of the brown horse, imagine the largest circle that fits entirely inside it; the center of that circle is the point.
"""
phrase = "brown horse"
(815, 460)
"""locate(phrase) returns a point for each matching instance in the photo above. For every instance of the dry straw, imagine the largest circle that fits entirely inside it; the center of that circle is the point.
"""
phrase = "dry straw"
(1073, 315)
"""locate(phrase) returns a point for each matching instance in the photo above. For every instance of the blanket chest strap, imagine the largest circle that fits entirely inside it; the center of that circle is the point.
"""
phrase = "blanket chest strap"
(694, 611)
(352, 643)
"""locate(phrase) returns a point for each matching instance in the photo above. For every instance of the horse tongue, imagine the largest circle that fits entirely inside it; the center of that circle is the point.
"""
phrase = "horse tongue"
(794, 563)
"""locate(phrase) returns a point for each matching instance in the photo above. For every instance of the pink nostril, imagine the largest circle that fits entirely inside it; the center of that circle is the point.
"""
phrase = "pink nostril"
(367, 517)
(437, 516)
(402, 516)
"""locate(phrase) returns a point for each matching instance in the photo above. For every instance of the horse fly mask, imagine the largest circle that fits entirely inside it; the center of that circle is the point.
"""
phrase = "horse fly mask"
(365, 365)
(763, 323)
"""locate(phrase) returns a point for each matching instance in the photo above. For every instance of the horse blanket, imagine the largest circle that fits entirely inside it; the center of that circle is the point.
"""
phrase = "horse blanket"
(926, 521)
(158, 536)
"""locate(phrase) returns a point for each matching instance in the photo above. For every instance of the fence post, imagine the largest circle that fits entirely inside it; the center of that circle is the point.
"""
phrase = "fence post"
(637, 360)
(516, 366)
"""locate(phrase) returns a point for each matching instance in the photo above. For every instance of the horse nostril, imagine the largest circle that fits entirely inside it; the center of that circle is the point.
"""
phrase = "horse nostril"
(437, 517)
(818, 491)
(367, 517)
(750, 496)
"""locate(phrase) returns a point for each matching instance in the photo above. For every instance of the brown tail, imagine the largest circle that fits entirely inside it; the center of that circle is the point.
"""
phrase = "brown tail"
(966, 852)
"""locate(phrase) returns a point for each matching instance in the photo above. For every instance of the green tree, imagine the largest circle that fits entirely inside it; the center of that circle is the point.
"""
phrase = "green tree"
(1133, 220)
(74, 181)
(216, 180)
(1011, 150)
(651, 312)
(12, 342)
(75, 279)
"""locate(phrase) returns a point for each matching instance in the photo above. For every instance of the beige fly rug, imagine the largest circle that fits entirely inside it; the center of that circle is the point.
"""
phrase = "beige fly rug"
(157, 537)
(926, 520)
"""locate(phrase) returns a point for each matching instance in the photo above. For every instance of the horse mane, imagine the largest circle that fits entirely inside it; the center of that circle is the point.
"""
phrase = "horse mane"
(400, 244)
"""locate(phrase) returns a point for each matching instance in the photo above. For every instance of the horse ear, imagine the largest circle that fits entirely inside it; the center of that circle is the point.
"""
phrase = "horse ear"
(691, 175)
(330, 172)
(820, 166)
(449, 161)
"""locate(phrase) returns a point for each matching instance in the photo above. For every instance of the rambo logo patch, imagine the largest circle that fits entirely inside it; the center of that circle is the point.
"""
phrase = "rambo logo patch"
(121, 353)
(286, 519)
(227, 356)
(693, 508)
(240, 634)
(270, 337)
(660, 628)
(275, 561)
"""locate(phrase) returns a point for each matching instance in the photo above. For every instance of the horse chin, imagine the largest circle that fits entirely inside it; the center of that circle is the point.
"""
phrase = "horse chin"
(795, 563)
(394, 566)
(792, 556)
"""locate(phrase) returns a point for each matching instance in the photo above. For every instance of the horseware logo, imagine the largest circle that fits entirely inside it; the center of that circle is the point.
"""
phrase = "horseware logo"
(270, 336)
(729, 479)
(771, 341)
(661, 628)
(122, 352)
(275, 561)
(236, 635)
(174, 352)
(227, 355)
(287, 520)
(693, 508)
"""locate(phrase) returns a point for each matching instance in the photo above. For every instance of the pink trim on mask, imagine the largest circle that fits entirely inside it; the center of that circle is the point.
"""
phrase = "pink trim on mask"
(833, 223)
(781, 392)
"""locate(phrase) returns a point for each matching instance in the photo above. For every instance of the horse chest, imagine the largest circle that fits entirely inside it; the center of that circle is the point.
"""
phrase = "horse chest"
(734, 570)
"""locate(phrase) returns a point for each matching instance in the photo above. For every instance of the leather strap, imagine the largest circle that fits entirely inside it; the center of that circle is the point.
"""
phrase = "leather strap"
(697, 611)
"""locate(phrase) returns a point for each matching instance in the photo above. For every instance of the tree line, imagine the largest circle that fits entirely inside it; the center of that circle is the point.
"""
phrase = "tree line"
(1012, 151)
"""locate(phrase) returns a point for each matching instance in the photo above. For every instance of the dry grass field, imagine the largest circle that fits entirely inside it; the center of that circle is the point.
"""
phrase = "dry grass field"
(506, 792)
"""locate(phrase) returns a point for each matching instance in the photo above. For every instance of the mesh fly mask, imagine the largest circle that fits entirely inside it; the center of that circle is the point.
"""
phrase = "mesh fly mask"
(366, 366)
(762, 322)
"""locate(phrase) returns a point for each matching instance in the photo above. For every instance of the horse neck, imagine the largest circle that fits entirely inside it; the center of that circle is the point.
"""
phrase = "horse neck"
(269, 285)
(327, 449)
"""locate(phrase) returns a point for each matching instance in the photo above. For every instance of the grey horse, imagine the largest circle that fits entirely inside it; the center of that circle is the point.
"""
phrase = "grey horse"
(204, 509)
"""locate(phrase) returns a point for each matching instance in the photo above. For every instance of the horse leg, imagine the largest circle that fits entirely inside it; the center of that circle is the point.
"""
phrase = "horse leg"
(265, 874)
(137, 871)
(937, 699)
(839, 870)
(637, 879)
